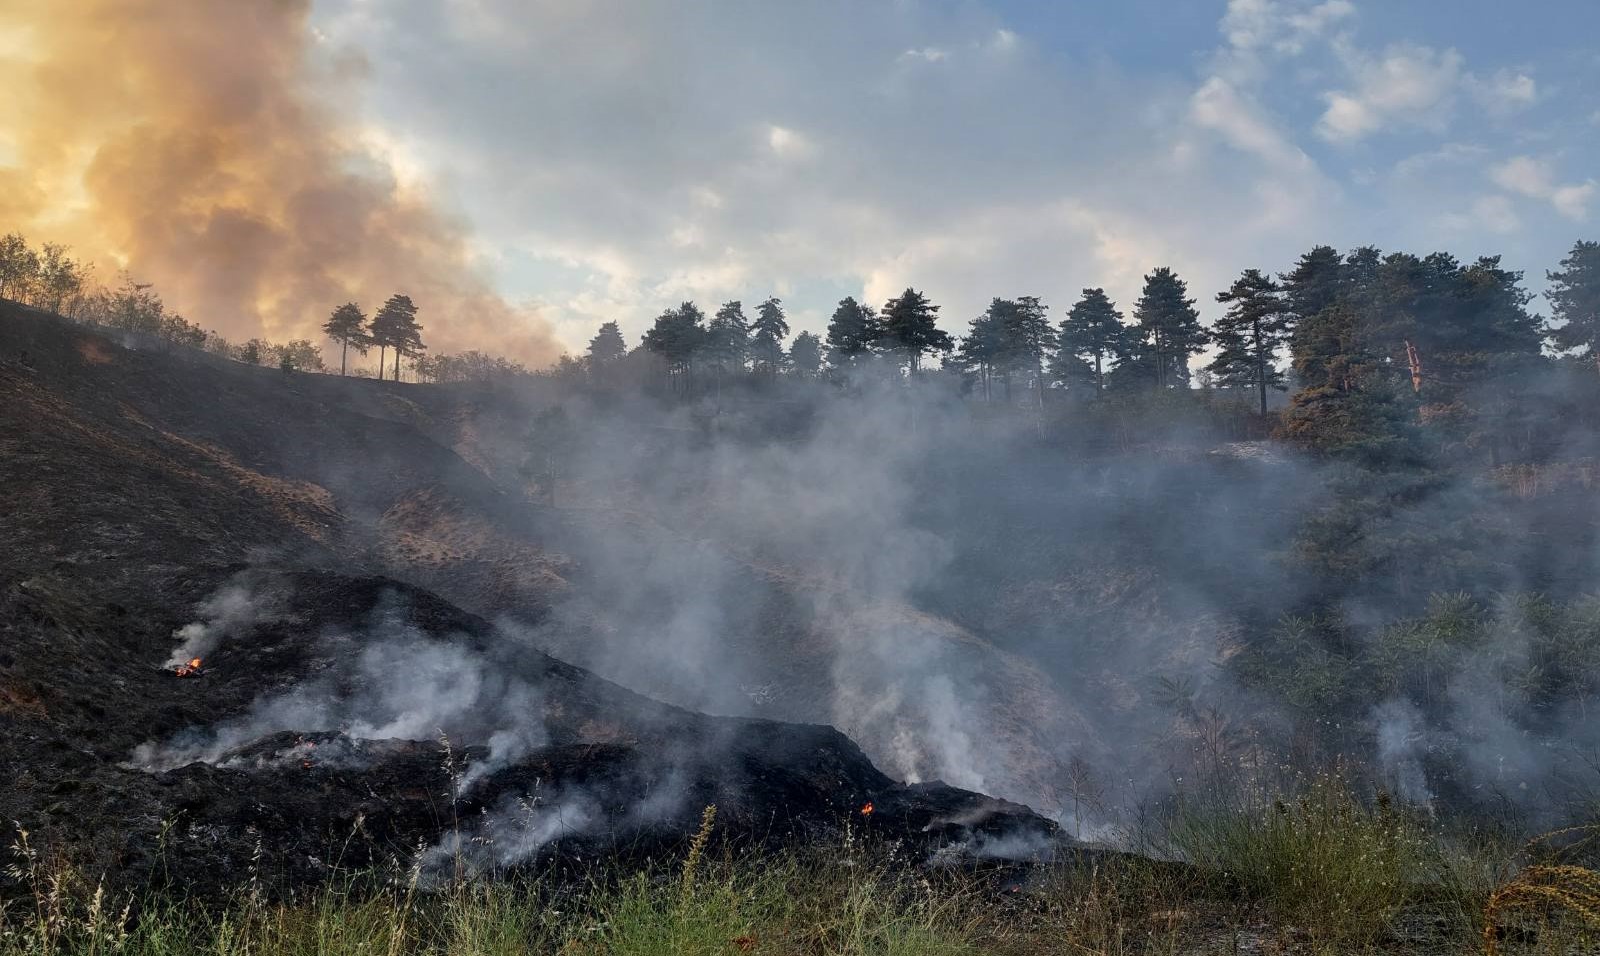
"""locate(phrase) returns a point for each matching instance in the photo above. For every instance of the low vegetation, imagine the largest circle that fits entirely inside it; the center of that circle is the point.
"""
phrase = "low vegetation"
(1322, 872)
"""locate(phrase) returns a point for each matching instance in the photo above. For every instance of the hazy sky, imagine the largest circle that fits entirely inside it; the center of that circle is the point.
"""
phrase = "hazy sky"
(614, 158)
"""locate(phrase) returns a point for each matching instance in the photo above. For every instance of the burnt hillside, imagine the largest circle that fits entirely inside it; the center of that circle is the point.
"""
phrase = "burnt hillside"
(157, 502)
(160, 458)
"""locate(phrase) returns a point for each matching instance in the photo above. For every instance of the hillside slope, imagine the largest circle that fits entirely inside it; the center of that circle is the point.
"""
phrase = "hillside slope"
(222, 463)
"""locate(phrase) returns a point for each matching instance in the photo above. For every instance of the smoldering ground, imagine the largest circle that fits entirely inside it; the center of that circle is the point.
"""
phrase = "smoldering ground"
(1078, 628)
(1057, 622)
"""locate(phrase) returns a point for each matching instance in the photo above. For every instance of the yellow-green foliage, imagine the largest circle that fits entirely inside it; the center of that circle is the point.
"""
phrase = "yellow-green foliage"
(1321, 859)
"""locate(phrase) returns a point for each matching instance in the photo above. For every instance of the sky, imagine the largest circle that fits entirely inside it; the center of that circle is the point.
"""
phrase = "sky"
(600, 160)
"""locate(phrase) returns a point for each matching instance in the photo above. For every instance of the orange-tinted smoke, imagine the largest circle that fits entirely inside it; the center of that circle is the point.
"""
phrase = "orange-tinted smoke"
(194, 142)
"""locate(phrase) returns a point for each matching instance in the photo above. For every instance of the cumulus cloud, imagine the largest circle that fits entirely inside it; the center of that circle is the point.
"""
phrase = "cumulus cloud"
(733, 151)
(1504, 92)
(1406, 85)
(1281, 26)
(1536, 179)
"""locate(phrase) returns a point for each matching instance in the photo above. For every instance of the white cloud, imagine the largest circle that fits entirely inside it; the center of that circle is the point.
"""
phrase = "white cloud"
(1281, 26)
(1003, 41)
(685, 151)
(1218, 106)
(927, 54)
(1536, 179)
(1407, 85)
(1492, 214)
(1505, 92)
(789, 144)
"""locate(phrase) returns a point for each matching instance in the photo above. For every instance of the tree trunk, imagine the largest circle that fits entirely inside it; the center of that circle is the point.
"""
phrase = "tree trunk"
(344, 347)
(397, 363)
(382, 357)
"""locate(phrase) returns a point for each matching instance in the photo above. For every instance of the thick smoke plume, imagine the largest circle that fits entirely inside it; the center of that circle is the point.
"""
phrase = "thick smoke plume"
(195, 144)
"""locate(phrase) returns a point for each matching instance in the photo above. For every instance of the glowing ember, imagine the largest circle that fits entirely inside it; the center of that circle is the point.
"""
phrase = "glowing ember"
(190, 669)
(866, 809)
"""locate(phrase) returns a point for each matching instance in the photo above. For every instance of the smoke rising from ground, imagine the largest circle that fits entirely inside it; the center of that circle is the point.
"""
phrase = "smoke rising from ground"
(387, 682)
(201, 146)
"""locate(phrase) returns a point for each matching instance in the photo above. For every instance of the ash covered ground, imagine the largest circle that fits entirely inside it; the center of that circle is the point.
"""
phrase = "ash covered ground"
(164, 510)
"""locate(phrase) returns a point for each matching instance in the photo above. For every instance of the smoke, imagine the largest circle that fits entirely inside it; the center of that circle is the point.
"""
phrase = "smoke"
(1402, 744)
(232, 611)
(389, 681)
(514, 832)
(204, 147)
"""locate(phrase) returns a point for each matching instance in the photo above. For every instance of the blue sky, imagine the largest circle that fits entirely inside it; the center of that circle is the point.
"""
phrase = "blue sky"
(614, 158)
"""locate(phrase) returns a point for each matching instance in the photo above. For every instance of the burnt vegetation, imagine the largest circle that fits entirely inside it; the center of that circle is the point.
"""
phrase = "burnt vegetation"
(1302, 598)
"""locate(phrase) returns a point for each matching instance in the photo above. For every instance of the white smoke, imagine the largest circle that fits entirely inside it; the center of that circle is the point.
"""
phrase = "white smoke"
(390, 681)
(232, 611)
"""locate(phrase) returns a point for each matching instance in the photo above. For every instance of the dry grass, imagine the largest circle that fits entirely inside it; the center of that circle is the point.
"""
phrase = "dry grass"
(1544, 897)
(851, 900)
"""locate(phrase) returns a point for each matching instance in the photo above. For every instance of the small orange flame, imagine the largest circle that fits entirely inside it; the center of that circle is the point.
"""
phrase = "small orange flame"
(190, 669)
(866, 809)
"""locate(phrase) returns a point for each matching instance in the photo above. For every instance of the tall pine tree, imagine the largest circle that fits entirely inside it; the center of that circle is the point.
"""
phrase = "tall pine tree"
(727, 344)
(395, 328)
(984, 351)
(1092, 334)
(677, 336)
(805, 355)
(1030, 338)
(853, 332)
(910, 327)
(769, 330)
(1249, 335)
(1170, 327)
(348, 327)
(1574, 296)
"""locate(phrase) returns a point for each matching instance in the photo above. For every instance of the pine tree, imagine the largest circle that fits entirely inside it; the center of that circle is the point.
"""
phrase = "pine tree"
(1030, 339)
(1170, 327)
(677, 336)
(769, 330)
(910, 326)
(982, 352)
(727, 344)
(1249, 335)
(348, 327)
(1319, 280)
(1091, 334)
(805, 355)
(1575, 299)
(395, 327)
(853, 331)
(605, 350)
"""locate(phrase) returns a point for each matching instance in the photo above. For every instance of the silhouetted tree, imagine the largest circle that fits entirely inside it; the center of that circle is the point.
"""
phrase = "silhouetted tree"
(770, 329)
(727, 344)
(605, 350)
(395, 327)
(910, 326)
(1170, 327)
(985, 351)
(677, 336)
(1092, 334)
(805, 355)
(1249, 335)
(348, 327)
(1317, 281)
(1574, 296)
(19, 264)
(1029, 340)
(853, 331)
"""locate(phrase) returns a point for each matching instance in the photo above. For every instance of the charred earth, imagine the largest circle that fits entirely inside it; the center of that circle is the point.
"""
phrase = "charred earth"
(208, 670)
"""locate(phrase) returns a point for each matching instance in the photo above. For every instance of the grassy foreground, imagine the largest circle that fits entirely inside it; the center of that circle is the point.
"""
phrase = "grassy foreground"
(1324, 874)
